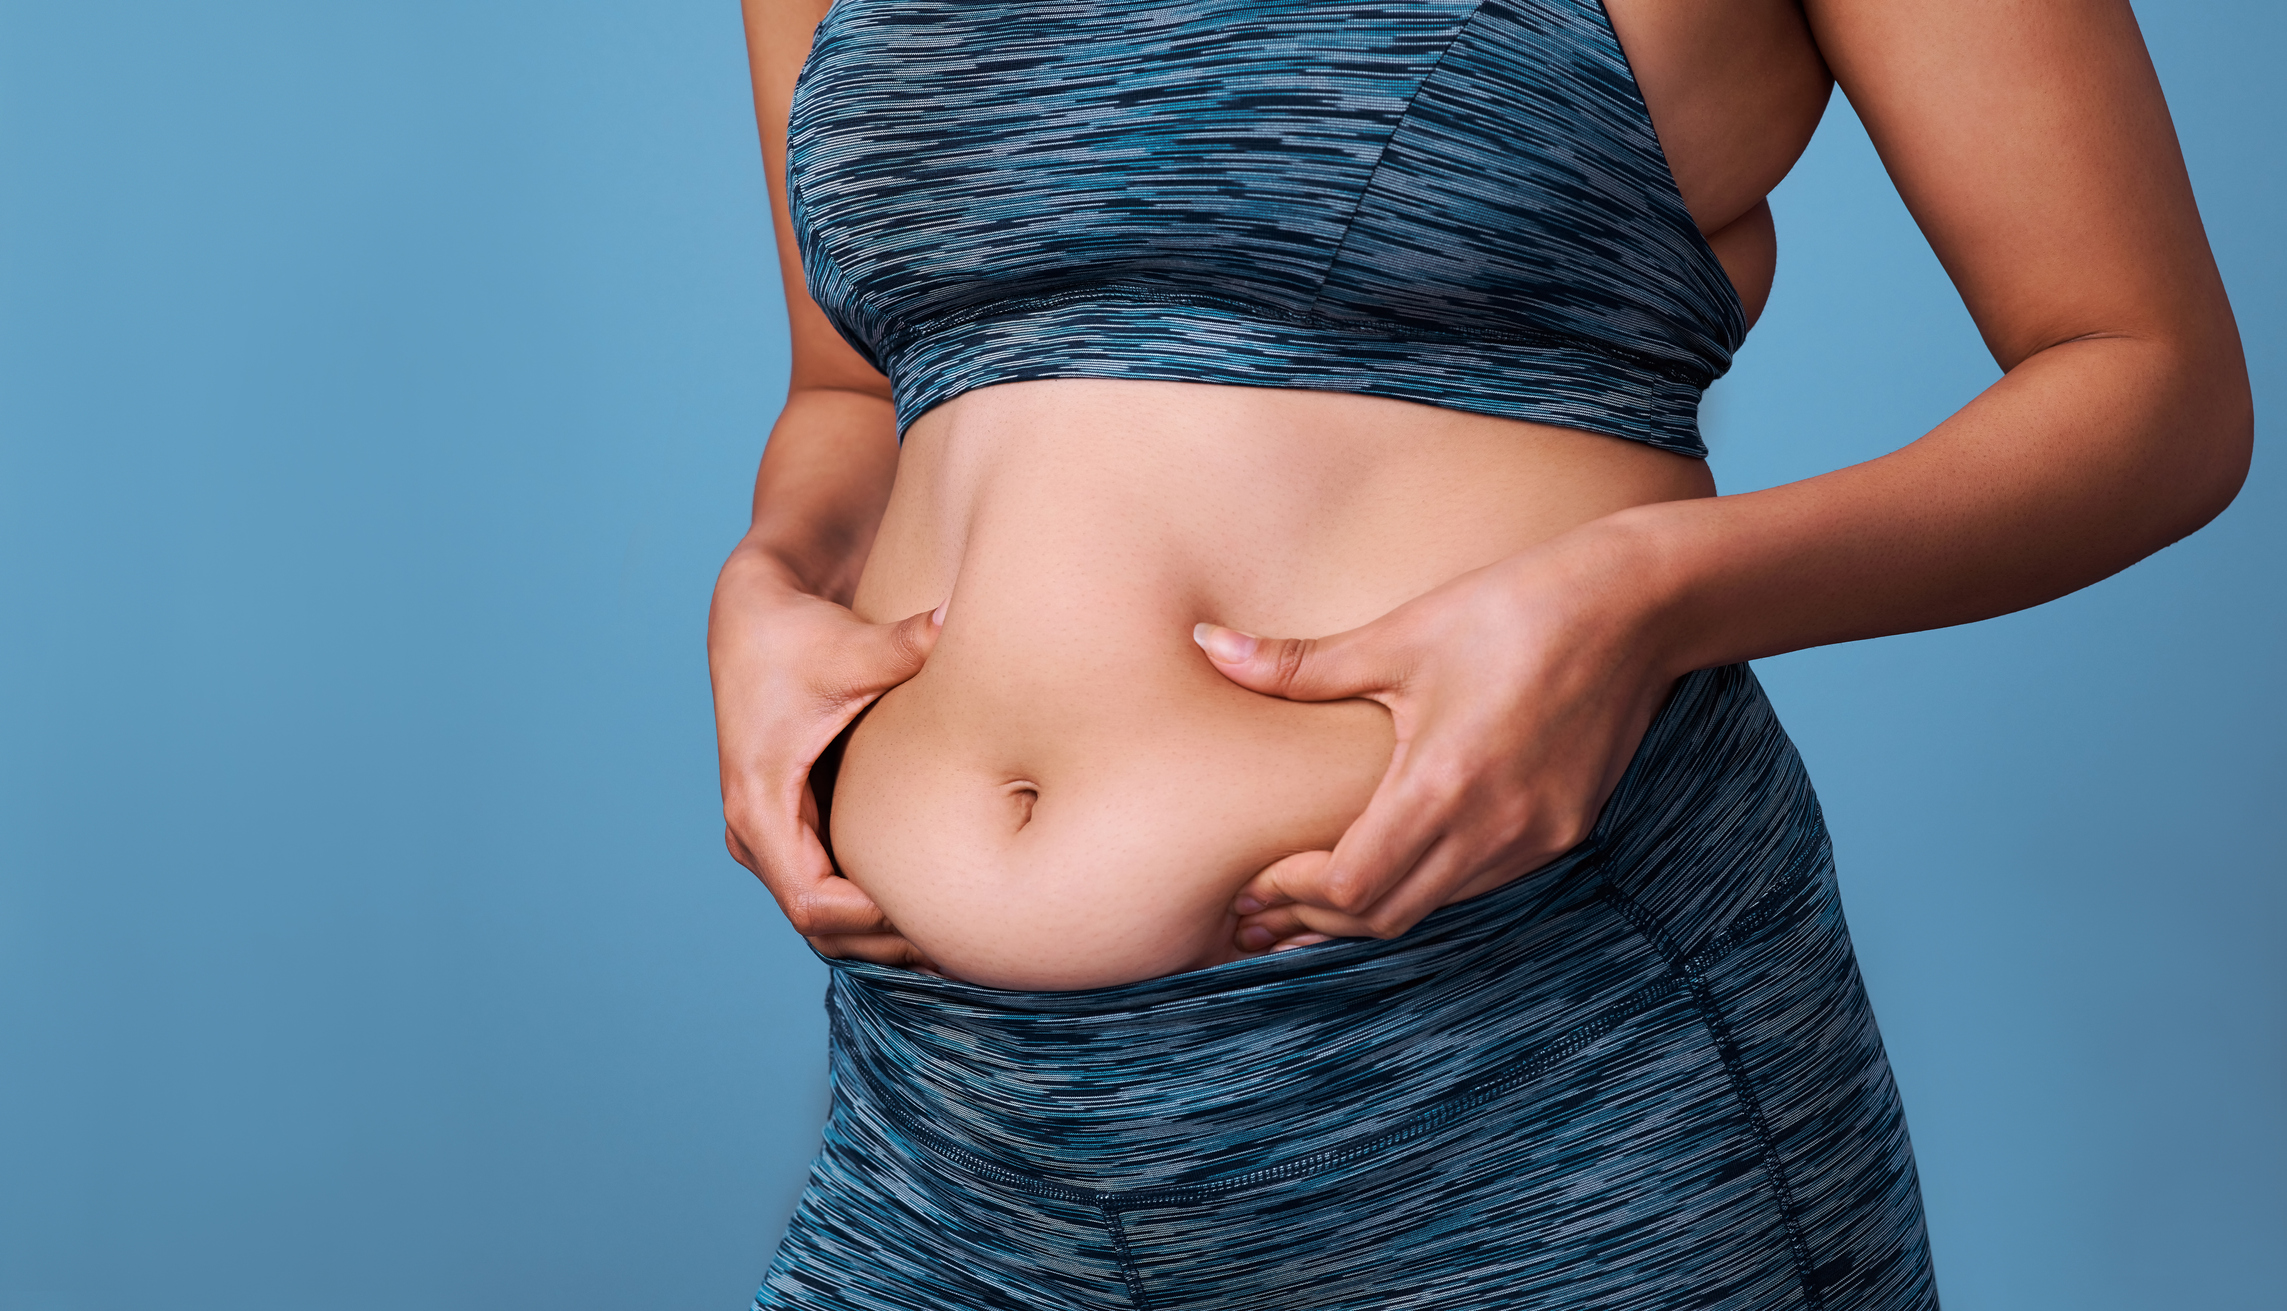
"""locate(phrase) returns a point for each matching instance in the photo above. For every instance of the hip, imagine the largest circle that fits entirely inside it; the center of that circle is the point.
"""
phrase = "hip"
(1642, 1073)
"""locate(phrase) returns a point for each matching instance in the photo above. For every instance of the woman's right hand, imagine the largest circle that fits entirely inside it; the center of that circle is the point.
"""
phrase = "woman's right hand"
(791, 670)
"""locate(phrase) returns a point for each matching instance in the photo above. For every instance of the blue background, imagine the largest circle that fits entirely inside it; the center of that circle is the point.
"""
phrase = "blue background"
(379, 389)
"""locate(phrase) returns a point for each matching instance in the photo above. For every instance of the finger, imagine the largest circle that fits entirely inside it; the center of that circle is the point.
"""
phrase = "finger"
(1435, 880)
(800, 876)
(1267, 889)
(1265, 931)
(1261, 932)
(879, 948)
(888, 654)
(1427, 885)
(1300, 668)
(1303, 940)
(1479, 845)
(1400, 824)
(834, 906)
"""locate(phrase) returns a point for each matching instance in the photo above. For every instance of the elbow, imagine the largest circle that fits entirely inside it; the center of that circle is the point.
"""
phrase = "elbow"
(2214, 459)
(2189, 414)
(2227, 477)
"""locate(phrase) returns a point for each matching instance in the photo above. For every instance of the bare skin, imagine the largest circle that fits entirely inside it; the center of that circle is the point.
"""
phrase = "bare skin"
(1064, 790)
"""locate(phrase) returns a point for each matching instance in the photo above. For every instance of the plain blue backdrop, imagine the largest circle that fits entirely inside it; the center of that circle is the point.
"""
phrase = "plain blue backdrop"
(379, 388)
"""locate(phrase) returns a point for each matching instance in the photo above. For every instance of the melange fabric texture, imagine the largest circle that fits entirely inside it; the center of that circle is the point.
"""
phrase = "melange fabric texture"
(1459, 202)
(1645, 1077)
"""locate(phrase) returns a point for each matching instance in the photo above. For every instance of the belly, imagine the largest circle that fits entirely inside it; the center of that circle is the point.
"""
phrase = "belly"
(1068, 795)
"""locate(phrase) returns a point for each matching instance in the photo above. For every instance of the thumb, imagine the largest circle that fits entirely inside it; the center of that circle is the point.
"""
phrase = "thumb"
(1297, 668)
(891, 653)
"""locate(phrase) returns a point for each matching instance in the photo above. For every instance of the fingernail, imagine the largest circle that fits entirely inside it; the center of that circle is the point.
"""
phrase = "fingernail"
(1306, 940)
(1246, 905)
(1255, 937)
(937, 616)
(1227, 645)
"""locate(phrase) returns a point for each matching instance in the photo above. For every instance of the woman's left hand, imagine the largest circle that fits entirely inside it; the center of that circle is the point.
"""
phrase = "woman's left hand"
(1519, 693)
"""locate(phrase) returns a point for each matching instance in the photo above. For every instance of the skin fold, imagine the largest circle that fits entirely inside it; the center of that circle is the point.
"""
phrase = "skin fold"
(1083, 766)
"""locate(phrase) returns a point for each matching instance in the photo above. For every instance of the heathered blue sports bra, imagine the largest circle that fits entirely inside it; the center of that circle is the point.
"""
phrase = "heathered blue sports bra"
(1449, 201)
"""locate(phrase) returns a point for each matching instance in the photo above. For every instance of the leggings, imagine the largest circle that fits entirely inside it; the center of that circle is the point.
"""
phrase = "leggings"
(1645, 1076)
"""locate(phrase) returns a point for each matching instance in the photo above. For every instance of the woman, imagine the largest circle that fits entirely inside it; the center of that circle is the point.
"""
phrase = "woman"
(1299, 539)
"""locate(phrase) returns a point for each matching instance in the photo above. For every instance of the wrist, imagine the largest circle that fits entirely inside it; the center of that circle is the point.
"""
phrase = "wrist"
(758, 564)
(1634, 564)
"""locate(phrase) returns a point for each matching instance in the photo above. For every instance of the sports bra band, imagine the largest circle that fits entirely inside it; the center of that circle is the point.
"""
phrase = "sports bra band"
(1458, 202)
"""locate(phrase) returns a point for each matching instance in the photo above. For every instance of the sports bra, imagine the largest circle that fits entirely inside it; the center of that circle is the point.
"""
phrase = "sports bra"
(1459, 202)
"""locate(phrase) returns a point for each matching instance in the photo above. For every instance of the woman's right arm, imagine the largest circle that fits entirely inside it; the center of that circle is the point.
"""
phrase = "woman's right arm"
(792, 666)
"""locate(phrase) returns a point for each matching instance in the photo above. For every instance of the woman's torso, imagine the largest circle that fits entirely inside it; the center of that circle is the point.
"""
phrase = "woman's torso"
(1068, 794)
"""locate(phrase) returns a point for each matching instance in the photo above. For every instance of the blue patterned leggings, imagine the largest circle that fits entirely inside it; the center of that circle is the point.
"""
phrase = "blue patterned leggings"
(1643, 1077)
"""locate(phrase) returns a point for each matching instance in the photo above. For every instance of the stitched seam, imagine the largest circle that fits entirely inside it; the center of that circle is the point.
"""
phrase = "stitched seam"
(1781, 1190)
(1772, 905)
(1381, 157)
(1691, 974)
(1128, 1270)
(1737, 307)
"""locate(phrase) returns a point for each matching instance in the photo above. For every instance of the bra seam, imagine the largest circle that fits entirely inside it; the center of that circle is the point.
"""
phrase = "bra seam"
(1382, 155)
(1708, 257)
(807, 251)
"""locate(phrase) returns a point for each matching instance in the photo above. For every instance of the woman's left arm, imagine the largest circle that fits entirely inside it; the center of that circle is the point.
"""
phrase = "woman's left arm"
(2030, 140)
